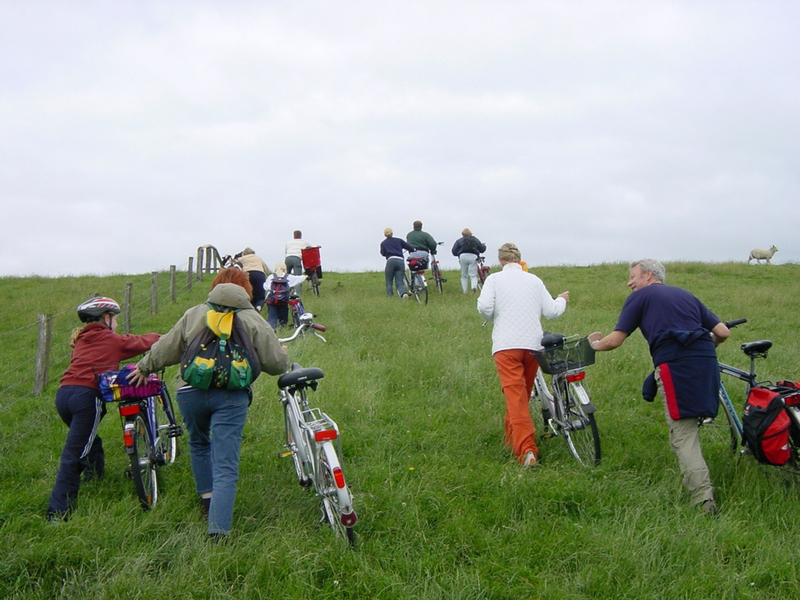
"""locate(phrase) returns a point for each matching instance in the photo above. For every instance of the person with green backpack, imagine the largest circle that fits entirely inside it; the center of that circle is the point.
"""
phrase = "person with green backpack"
(214, 408)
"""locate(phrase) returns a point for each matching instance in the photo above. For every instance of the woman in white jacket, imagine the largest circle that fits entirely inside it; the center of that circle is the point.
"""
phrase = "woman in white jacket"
(515, 301)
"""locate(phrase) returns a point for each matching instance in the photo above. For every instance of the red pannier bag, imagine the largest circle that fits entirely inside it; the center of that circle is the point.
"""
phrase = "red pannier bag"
(767, 427)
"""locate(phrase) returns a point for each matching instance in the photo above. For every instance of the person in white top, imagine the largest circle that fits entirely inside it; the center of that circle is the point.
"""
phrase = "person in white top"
(294, 256)
(515, 301)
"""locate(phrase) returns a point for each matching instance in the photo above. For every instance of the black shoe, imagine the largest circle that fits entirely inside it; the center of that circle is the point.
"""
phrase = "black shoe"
(205, 505)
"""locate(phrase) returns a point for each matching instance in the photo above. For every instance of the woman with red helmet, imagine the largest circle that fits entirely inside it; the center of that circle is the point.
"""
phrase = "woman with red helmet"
(96, 347)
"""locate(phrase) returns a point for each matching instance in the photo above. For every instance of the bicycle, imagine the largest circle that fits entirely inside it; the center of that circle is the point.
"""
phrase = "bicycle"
(310, 436)
(297, 309)
(149, 429)
(415, 281)
(754, 351)
(436, 271)
(483, 270)
(567, 410)
(312, 266)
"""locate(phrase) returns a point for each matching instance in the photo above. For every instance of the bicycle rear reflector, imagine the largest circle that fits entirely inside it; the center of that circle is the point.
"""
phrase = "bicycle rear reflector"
(339, 477)
(127, 436)
(576, 376)
(128, 410)
(325, 435)
(349, 519)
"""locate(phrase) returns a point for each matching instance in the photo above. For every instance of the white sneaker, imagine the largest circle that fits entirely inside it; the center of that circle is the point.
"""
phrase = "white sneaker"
(529, 459)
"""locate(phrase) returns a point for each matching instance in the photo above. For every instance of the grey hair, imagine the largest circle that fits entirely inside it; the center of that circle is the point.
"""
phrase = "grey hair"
(652, 265)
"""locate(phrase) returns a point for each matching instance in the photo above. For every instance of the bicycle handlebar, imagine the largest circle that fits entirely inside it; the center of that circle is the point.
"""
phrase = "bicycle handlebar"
(305, 322)
(734, 323)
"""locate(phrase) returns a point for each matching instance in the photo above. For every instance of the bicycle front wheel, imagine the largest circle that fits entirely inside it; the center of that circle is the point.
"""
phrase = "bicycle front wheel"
(580, 429)
(168, 429)
(337, 502)
(437, 276)
(143, 464)
(421, 287)
(296, 445)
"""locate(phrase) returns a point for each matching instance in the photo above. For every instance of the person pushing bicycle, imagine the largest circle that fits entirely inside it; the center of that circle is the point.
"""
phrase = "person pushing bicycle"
(422, 241)
(96, 345)
(676, 326)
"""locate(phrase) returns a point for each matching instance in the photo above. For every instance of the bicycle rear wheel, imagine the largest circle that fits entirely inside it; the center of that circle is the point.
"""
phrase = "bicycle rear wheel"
(314, 282)
(143, 464)
(580, 431)
(337, 502)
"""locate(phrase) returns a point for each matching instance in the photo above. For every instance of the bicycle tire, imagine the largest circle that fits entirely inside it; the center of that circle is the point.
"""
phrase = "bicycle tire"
(143, 465)
(422, 288)
(580, 428)
(437, 276)
(314, 281)
(167, 441)
(297, 446)
(410, 288)
(337, 502)
(481, 275)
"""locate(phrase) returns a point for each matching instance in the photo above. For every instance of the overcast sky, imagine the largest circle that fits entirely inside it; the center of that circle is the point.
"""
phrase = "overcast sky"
(133, 132)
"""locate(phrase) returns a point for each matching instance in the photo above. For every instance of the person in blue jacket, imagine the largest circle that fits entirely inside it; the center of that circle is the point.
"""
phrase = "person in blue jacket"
(392, 250)
(683, 335)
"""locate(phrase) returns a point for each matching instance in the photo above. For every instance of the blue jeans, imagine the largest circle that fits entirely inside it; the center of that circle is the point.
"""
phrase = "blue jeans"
(395, 269)
(214, 420)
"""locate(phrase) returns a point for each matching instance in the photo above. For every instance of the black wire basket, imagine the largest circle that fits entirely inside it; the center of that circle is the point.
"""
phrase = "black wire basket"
(569, 356)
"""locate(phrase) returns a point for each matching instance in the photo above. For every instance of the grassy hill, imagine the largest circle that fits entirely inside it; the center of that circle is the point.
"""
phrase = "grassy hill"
(444, 511)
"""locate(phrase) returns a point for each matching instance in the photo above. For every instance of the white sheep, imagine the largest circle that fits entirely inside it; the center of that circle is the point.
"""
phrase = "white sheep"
(760, 254)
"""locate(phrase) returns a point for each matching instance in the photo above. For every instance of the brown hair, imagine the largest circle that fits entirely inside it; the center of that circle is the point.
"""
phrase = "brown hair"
(236, 276)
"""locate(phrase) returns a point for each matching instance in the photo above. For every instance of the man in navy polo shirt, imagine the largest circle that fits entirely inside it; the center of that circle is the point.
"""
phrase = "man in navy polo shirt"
(683, 335)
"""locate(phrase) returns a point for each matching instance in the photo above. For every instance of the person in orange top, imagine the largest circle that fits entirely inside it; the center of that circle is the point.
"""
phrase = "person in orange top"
(96, 348)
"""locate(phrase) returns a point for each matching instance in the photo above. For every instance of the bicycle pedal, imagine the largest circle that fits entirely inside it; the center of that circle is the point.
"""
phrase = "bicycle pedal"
(548, 435)
(444, 280)
(286, 454)
(129, 474)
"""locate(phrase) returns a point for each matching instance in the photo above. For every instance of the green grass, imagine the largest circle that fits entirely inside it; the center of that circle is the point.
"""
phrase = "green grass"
(444, 511)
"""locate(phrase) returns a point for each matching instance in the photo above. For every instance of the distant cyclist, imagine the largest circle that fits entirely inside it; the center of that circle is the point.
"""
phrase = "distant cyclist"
(95, 348)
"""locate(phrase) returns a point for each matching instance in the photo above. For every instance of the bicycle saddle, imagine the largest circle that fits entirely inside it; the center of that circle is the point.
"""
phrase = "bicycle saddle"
(552, 340)
(299, 375)
(753, 348)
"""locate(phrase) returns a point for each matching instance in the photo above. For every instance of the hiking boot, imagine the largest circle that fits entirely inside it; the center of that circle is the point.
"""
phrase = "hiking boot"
(709, 508)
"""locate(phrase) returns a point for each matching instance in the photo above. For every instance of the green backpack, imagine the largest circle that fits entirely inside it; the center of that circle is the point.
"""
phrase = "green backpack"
(222, 355)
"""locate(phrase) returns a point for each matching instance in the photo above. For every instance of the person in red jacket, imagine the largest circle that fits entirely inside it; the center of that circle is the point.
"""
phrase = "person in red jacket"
(96, 348)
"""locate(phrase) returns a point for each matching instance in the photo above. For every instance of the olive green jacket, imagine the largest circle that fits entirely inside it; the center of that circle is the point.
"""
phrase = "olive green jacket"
(169, 349)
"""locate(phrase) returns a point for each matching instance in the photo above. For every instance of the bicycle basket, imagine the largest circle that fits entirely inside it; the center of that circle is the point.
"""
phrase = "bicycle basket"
(311, 257)
(114, 386)
(568, 357)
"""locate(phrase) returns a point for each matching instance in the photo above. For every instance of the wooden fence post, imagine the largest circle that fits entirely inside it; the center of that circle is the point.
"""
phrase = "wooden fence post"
(200, 255)
(189, 275)
(154, 293)
(128, 310)
(42, 354)
(172, 284)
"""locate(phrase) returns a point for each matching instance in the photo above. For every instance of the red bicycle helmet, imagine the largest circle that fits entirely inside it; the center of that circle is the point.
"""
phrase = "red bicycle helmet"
(94, 308)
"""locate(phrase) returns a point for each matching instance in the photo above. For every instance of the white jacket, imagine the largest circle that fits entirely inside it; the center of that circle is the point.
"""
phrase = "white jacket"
(515, 301)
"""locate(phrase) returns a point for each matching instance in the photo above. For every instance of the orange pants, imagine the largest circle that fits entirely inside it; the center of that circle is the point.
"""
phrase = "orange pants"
(517, 370)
